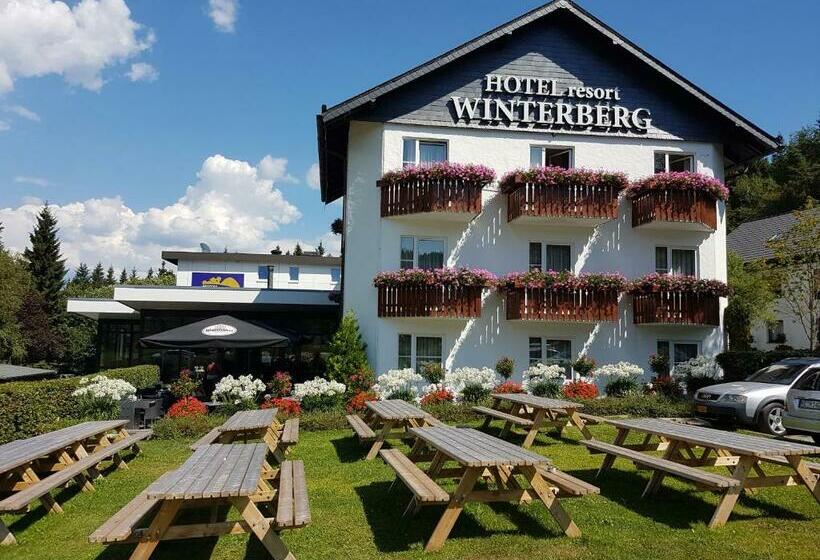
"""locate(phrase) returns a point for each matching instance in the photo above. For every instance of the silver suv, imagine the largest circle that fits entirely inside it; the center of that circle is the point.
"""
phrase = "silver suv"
(803, 405)
(759, 401)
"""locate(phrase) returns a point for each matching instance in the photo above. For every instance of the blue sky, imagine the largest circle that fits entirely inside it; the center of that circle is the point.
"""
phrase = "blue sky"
(115, 156)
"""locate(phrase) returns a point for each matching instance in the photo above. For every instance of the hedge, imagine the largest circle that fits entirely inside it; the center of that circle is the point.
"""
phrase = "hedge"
(737, 366)
(28, 408)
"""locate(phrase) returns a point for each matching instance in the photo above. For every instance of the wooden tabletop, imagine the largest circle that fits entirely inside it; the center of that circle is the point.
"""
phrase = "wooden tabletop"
(537, 402)
(472, 448)
(249, 420)
(396, 409)
(214, 471)
(22, 451)
(740, 444)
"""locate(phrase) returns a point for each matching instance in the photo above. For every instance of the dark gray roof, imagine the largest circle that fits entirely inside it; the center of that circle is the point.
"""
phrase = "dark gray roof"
(749, 240)
(760, 142)
(9, 372)
(174, 257)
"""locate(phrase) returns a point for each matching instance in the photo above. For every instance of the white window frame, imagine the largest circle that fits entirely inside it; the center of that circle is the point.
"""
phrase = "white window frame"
(669, 249)
(573, 257)
(332, 281)
(544, 147)
(543, 338)
(672, 344)
(298, 275)
(779, 324)
(419, 140)
(666, 155)
(413, 355)
(416, 239)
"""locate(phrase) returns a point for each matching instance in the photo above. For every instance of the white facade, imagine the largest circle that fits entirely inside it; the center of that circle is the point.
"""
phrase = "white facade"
(490, 242)
(281, 274)
(765, 336)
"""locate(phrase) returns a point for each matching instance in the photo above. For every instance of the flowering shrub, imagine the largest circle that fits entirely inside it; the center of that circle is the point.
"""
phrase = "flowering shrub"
(655, 282)
(550, 176)
(505, 367)
(361, 381)
(508, 387)
(583, 365)
(470, 378)
(580, 390)
(284, 406)
(551, 280)
(468, 173)
(698, 372)
(100, 396)
(187, 407)
(432, 372)
(436, 393)
(241, 391)
(435, 277)
(398, 384)
(185, 385)
(678, 181)
(319, 394)
(356, 403)
(665, 386)
(619, 379)
(659, 364)
(543, 380)
(281, 384)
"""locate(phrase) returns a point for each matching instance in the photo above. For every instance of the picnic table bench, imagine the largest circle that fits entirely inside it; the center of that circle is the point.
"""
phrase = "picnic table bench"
(31, 468)
(508, 474)
(249, 425)
(385, 420)
(687, 449)
(533, 413)
(236, 474)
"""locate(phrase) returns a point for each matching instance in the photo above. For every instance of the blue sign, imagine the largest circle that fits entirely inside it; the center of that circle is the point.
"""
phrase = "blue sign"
(217, 279)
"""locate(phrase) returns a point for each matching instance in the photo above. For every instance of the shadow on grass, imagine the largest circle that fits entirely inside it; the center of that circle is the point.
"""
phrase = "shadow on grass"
(394, 533)
(544, 437)
(673, 507)
(348, 449)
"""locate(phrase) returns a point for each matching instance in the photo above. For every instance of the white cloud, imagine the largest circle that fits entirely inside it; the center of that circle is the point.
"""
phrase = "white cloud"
(4, 126)
(312, 176)
(142, 72)
(23, 112)
(36, 181)
(223, 14)
(40, 37)
(275, 169)
(229, 204)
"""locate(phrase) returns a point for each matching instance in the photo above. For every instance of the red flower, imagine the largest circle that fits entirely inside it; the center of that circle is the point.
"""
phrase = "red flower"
(437, 397)
(580, 390)
(287, 407)
(356, 402)
(509, 387)
(187, 407)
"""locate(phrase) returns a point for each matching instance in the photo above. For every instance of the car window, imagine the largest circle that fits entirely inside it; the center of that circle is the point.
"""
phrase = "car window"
(778, 374)
(809, 382)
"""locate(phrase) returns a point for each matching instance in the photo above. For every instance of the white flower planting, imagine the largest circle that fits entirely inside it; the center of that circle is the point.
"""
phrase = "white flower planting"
(700, 366)
(460, 378)
(237, 390)
(540, 373)
(621, 370)
(102, 388)
(318, 387)
(396, 380)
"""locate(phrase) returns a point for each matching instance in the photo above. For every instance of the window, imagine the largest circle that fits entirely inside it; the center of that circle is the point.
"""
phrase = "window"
(673, 162)
(421, 152)
(293, 273)
(555, 257)
(264, 272)
(335, 275)
(677, 352)
(551, 351)
(422, 253)
(544, 155)
(415, 351)
(681, 262)
(776, 334)
(809, 382)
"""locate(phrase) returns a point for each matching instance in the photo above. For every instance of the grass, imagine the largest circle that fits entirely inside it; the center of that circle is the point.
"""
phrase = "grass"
(354, 517)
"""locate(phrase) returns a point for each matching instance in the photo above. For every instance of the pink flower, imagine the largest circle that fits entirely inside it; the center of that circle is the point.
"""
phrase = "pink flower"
(559, 177)
(466, 172)
(652, 283)
(679, 180)
(554, 281)
(435, 277)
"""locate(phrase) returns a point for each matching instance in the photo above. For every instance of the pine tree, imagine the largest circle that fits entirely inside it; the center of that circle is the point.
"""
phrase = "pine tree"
(133, 276)
(44, 262)
(276, 250)
(81, 275)
(337, 226)
(98, 276)
(2, 247)
(320, 249)
(123, 277)
(150, 275)
(109, 276)
(297, 251)
(163, 270)
(347, 351)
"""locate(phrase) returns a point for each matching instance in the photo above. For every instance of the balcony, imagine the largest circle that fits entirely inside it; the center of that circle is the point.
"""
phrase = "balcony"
(669, 209)
(573, 305)
(670, 307)
(453, 302)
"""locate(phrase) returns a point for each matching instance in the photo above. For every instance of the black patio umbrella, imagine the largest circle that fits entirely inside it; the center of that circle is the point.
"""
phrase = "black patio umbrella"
(223, 331)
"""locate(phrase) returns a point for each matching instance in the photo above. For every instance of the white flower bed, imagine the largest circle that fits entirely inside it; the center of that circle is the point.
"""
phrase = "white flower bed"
(396, 380)
(318, 387)
(621, 370)
(237, 391)
(541, 373)
(102, 388)
(460, 378)
(700, 366)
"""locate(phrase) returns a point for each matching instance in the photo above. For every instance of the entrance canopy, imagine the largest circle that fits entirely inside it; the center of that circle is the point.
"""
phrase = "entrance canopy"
(222, 331)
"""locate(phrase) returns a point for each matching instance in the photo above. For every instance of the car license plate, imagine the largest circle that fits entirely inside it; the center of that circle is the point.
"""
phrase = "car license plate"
(701, 408)
(811, 404)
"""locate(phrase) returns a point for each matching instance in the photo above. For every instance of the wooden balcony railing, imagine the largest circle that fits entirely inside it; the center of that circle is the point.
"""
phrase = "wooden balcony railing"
(430, 301)
(676, 308)
(676, 206)
(596, 202)
(579, 305)
(442, 195)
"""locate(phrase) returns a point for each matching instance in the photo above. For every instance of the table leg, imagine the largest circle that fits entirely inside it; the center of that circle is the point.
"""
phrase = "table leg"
(377, 444)
(271, 437)
(550, 500)
(576, 420)
(46, 499)
(657, 476)
(81, 478)
(454, 507)
(729, 499)
(156, 530)
(6, 538)
(81, 453)
(262, 528)
(808, 478)
(609, 459)
(515, 410)
(488, 419)
(536, 425)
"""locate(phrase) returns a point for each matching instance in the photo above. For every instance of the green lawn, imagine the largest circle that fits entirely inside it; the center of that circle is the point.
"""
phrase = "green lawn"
(355, 518)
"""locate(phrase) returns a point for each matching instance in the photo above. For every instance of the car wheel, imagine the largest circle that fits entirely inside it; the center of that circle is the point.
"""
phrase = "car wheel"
(771, 419)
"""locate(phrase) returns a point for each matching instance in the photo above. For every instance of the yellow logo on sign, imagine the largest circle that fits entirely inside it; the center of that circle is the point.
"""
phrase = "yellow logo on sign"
(220, 282)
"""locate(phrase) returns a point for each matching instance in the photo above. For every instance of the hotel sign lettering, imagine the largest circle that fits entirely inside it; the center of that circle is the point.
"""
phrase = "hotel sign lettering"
(540, 102)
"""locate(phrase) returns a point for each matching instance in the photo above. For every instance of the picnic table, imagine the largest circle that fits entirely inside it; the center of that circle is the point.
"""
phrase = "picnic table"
(480, 457)
(687, 449)
(31, 468)
(385, 420)
(247, 425)
(532, 413)
(215, 475)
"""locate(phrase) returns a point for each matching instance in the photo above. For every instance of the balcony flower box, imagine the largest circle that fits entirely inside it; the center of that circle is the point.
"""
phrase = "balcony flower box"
(444, 292)
(676, 300)
(676, 200)
(442, 189)
(572, 196)
(561, 296)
